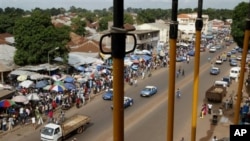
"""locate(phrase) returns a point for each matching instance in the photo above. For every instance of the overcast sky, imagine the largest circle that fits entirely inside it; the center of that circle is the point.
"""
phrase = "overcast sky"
(100, 4)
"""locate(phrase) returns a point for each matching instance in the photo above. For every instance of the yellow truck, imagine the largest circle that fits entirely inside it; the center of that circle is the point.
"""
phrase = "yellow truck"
(58, 132)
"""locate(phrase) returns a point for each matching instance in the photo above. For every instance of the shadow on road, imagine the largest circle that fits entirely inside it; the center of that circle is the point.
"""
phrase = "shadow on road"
(209, 133)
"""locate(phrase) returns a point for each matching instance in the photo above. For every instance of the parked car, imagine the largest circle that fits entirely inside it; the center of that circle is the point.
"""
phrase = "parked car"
(229, 54)
(191, 53)
(128, 101)
(233, 62)
(214, 71)
(212, 49)
(233, 51)
(148, 91)
(239, 58)
(108, 95)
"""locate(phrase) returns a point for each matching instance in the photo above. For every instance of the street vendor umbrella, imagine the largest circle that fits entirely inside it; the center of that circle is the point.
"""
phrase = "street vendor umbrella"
(80, 68)
(69, 79)
(33, 96)
(58, 83)
(41, 84)
(69, 86)
(56, 77)
(26, 83)
(6, 103)
(58, 88)
(20, 99)
(47, 87)
(22, 77)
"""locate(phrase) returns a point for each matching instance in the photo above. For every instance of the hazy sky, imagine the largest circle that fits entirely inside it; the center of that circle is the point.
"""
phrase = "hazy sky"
(100, 4)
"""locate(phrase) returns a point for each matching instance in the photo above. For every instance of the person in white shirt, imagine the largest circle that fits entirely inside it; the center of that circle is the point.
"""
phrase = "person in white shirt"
(214, 138)
(209, 108)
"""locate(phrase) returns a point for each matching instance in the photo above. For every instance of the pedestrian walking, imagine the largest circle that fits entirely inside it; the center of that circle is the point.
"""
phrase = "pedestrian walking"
(135, 82)
(226, 104)
(202, 113)
(38, 116)
(143, 75)
(183, 72)
(220, 111)
(187, 60)
(209, 108)
(214, 138)
(33, 121)
(4, 124)
(50, 115)
(10, 123)
(209, 59)
(177, 74)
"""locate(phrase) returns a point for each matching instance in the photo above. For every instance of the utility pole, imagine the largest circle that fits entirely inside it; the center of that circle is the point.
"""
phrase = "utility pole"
(173, 32)
(243, 63)
(118, 54)
(118, 50)
(198, 27)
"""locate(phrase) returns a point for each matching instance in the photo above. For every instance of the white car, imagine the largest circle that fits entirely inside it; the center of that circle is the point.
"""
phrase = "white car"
(219, 61)
(212, 49)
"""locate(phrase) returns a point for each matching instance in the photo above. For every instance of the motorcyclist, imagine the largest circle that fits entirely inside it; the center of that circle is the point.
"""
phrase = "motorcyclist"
(178, 93)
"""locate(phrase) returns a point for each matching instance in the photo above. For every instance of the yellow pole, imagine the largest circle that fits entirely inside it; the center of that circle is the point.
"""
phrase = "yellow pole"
(118, 95)
(243, 62)
(172, 65)
(171, 90)
(195, 86)
(198, 26)
(118, 46)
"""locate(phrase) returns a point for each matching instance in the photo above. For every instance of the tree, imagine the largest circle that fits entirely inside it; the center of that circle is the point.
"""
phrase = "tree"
(78, 26)
(238, 26)
(128, 18)
(103, 23)
(35, 36)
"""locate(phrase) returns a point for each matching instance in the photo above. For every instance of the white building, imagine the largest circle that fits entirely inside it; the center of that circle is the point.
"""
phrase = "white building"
(187, 25)
(162, 27)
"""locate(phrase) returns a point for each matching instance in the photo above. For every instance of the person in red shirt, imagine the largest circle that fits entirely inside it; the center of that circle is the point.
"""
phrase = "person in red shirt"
(50, 115)
(54, 105)
(78, 101)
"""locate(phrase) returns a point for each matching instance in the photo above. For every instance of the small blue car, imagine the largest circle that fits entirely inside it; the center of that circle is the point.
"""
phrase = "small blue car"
(148, 91)
(233, 62)
(108, 95)
(128, 101)
(214, 71)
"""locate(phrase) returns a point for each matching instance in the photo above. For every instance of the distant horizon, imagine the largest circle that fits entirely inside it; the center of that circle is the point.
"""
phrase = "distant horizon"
(105, 4)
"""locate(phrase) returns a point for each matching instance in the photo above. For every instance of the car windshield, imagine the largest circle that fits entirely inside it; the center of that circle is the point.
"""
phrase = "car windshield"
(214, 69)
(147, 89)
(47, 131)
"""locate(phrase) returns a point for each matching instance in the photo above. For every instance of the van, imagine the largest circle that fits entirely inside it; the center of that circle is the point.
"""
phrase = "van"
(221, 83)
(234, 72)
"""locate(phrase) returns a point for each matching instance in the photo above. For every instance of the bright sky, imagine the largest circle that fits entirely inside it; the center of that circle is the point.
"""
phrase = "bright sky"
(101, 4)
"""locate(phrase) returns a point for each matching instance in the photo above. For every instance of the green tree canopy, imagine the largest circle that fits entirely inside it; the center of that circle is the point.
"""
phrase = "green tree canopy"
(78, 26)
(240, 13)
(35, 37)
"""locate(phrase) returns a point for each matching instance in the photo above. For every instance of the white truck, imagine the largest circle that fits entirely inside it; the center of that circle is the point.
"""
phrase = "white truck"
(56, 132)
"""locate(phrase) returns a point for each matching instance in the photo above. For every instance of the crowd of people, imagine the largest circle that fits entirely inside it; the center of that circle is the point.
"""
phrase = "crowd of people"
(37, 112)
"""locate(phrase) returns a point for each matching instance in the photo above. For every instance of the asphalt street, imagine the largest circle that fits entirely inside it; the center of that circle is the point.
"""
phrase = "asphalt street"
(146, 119)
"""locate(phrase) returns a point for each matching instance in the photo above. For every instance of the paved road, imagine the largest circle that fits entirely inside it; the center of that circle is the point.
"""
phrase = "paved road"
(146, 119)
